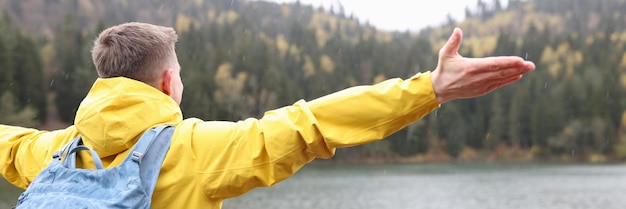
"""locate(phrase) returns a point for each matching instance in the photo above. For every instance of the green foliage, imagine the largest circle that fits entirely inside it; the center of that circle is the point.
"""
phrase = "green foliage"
(12, 114)
(22, 73)
(76, 73)
(410, 141)
(28, 73)
(6, 74)
(497, 131)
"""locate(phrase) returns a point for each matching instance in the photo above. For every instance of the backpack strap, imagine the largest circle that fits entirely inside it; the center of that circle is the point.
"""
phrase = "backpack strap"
(149, 152)
(64, 155)
(72, 153)
(67, 155)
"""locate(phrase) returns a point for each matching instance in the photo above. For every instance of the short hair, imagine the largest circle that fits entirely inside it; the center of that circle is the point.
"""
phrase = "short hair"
(134, 50)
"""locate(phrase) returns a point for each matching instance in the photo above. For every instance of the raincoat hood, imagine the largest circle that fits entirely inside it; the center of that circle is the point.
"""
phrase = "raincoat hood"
(113, 115)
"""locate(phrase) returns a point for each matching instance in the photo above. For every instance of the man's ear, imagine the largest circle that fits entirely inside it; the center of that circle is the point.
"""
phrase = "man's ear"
(166, 82)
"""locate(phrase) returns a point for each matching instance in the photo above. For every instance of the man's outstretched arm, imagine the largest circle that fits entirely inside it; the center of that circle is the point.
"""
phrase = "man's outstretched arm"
(24, 152)
(241, 156)
(10, 139)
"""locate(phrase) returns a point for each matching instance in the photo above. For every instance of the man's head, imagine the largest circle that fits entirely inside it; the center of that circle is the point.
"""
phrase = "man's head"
(142, 52)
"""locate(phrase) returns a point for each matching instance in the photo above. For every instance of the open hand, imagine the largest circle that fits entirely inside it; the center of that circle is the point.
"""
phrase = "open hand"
(459, 77)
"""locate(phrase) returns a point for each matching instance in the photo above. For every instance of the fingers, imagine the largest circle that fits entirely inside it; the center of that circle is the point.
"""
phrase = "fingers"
(513, 71)
(496, 79)
(500, 63)
(451, 48)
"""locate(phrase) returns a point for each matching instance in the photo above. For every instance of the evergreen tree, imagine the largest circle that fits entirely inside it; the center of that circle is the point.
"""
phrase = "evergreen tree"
(198, 65)
(534, 43)
(497, 123)
(505, 44)
(420, 56)
(8, 85)
(452, 127)
(28, 73)
(14, 115)
(6, 74)
(71, 83)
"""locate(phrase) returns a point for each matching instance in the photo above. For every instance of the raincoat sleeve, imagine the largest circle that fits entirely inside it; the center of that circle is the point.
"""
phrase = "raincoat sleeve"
(233, 158)
(24, 152)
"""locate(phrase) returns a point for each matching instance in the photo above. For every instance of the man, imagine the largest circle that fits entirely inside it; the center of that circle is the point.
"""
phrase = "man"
(139, 87)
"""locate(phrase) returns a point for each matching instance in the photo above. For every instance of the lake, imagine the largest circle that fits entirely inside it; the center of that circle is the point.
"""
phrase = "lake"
(445, 186)
(434, 186)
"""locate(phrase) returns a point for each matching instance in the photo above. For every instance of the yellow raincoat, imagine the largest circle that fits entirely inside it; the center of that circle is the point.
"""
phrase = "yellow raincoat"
(209, 161)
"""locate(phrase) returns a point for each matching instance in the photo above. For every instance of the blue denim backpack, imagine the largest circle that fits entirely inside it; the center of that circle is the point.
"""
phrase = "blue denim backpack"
(129, 185)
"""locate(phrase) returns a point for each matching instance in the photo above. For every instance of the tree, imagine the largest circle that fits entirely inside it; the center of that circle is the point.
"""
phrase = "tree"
(497, 123)
(518, 119)
(421, 57)
(75, 76)
(6, 74)
(28, 73)
(534, 43)
(452, 127)
(12, 114)
(198, 56)
(505, 44)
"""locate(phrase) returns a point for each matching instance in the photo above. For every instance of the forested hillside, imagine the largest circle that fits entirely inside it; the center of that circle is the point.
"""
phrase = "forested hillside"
(241, 58)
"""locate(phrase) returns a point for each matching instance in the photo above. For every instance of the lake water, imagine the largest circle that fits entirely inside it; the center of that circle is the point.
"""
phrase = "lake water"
(434, 186)
(445, 186)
